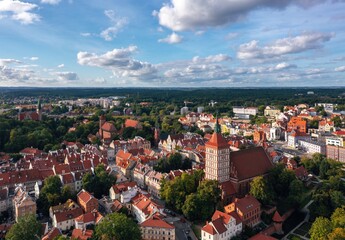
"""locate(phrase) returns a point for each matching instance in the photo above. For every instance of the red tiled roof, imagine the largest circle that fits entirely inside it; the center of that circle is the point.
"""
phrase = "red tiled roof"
(219, 225)
(218, 141)
(52, 234)
(250, 163)
(131, 123)
(67, 215)
(209, 229)
(277, 217)
(156, 222)
(108, 127)
(80, 234)
(85, 196)
(246, 204)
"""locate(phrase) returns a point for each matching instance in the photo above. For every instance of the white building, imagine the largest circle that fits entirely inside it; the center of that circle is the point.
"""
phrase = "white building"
(184, 110)
(222, 227)
(336, 141)
(294, 138)
(312, 146)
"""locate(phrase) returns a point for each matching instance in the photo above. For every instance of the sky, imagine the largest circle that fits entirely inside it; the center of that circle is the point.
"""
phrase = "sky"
(172, 43)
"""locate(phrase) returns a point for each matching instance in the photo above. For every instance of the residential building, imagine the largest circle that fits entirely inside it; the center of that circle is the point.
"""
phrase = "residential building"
(23, 204)
(245, 112)
(133, 123)
(156, 228)
(312, 146)
(271, 111)
(259, 136)
(248, 209)
(153, 182)
(295, 136)
(336, 141)
(67, 206)
(326, 126)
(90, 218)
(87, 201)
(79, 234)
(52, 234)
(64, 220)
(222, 227)
(336, 153)
(143, 207)
(297, 123)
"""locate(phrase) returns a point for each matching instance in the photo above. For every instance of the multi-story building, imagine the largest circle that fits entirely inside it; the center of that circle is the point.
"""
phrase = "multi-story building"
(326, 126)
(248, 209)
(217, 157)
(271, 111)
(297, 123)
(336, 141)
(222, 227)
(312, 146)
(23, 204)
(153, 181)
(295, 136)
(86, 201)
(336, 153)
(156, 228)
(64, 220)
(245, 113)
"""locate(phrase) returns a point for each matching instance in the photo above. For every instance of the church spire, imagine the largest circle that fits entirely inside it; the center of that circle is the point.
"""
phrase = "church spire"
(217, 127)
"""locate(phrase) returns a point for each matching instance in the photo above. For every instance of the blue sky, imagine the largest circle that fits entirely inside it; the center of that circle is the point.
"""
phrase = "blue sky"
(172, 43)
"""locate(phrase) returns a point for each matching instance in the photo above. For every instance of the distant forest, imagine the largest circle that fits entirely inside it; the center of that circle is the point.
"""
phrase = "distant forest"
(233, 96)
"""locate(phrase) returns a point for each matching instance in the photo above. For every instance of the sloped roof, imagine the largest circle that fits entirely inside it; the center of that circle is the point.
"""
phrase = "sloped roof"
(156, 222)
(209, 229)
(218, 141)
(250, 163)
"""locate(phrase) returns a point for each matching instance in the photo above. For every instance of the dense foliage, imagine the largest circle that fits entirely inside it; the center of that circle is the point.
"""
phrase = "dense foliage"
(100, 183)
(117, 226)
(173, 162)
(27, 228)
(53, 193)
(195, 198)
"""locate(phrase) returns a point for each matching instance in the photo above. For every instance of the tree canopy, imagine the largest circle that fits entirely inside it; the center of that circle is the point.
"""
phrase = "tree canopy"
(117, 226)
(27, 228)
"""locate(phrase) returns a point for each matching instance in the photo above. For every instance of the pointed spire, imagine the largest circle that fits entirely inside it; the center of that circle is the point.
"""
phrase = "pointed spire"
(217, 127)
(39, 105)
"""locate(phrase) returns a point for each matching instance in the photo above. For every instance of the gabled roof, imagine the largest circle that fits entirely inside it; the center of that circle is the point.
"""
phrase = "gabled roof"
(68, 215)
(209, 229)
(131, 123)
(52, 234)
(277, 217)
(247, 204)
(217, 141)
(85, 196)
(249, 163)
(80, 234)
(156, 222)
(108, 127)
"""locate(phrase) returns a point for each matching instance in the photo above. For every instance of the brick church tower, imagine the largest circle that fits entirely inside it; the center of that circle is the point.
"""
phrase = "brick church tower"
(217, 160)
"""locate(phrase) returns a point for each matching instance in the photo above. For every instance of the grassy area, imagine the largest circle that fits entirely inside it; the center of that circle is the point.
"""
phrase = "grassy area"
(197, 230)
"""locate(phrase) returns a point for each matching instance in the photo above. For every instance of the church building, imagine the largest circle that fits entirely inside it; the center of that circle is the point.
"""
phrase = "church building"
(233, 170)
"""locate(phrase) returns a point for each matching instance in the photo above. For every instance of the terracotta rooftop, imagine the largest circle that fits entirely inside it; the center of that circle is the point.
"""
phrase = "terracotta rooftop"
(250, 163)
(156, 222)
(217, 141)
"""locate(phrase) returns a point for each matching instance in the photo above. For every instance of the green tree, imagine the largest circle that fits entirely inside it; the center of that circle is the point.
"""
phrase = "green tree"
(320, 229)
(117, 226)
(27, 228)
(261, 190)
(99, 183)
(191, 207)
(50, 193)
(338, 218)
(296, 190)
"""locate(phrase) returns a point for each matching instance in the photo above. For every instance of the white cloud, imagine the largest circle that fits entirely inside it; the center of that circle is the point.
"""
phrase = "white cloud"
(289, 45)
(120, 62)
(52, 2)
(13, 74)
(340, 69)
(61, 65)
(212, 59)
(66, 76)
(284, 65)
(171, 39)
(6, 61)
(117, 24)
(34, 58)
(19, 11)
(86, 34)
(182, 15)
